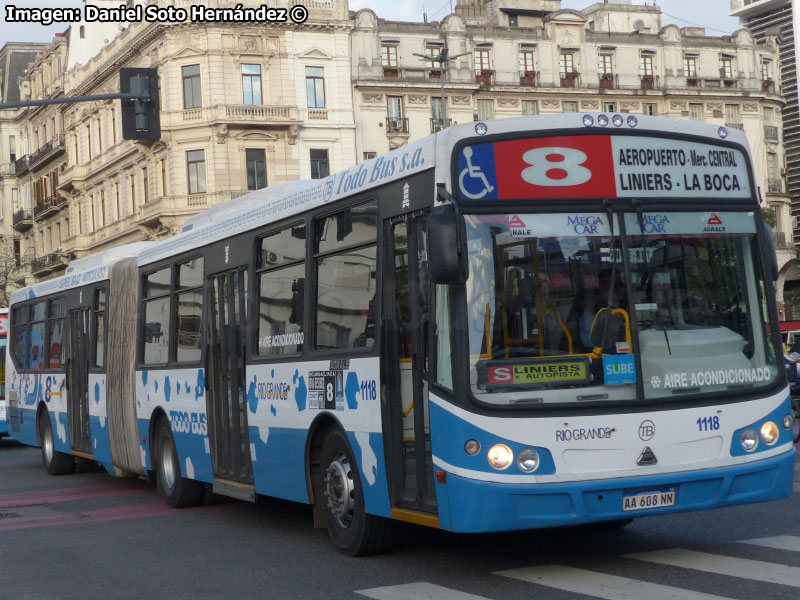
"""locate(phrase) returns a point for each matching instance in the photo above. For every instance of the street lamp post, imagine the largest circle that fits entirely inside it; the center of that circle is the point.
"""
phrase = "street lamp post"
(442, 58)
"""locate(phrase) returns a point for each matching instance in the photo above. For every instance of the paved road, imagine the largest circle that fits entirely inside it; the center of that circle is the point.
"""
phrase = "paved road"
(89, 535)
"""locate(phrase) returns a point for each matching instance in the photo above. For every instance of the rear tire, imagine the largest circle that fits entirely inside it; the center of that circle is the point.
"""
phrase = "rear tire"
(352, 530)
(178, 491)
(56, 463)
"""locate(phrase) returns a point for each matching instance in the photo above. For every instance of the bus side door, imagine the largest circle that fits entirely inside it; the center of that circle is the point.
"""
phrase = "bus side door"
(405, 366)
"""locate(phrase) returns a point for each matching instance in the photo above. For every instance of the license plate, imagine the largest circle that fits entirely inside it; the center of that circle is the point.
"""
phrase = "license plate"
(648, 499)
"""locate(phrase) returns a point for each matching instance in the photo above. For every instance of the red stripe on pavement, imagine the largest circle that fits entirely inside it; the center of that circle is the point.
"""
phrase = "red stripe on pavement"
(65, 495)
(135, 511)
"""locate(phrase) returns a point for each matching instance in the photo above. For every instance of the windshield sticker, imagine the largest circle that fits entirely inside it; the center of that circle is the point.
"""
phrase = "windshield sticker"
(719, 377)
(573, 369)
(601, 166)
(691, 223)
(559, 225)
(619, 370)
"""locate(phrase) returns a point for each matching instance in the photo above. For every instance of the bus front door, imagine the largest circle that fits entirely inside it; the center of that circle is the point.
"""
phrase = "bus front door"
(406, 309)
(78, 381)
(227, 395)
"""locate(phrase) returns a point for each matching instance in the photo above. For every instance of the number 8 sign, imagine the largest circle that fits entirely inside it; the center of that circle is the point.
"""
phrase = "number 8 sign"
(550, 167)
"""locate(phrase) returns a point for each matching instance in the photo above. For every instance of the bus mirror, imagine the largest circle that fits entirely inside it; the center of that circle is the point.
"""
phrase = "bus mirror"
(791, 371)
(769, 248)
(447, 258)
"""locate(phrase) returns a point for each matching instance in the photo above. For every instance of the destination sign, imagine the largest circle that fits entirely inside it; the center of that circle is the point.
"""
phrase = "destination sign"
(601, 166)
(534, 371)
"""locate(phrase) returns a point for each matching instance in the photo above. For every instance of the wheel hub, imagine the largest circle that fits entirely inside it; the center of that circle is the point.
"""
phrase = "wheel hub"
(47, 445)
(168, 465)
(340, 491)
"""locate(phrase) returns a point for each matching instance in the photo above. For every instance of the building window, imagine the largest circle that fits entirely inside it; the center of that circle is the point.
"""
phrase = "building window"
(433, 51)
(690, 66)
(389, 56)
(696, 112)
(526, 68)
(530, 107)
(568, 106)
(732, 118)
(769, 115)
(646, 65)
(485, 109)
(133, 194)
(609, 107)
(256, 168)
(192, 97)
(604, 64)
(251, 84)
(163, 177)
(370, 155)
(649, 109)
(320, 167)
(394, 118)
(566, 64)
(482, 60)
(513, 21)
(113, 126)
(102, 208)
(726, 68)
(766, 70)
(116, 200)
(315, 87)
(145, 186)
(196, 171)
(12, 148)
(88, 141)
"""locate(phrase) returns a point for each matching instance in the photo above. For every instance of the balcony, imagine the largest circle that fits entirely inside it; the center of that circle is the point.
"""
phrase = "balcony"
(485, 77)
(52, 149)
(692, 81)
(21, 165)
(730, 83)
(775, 186)
(48, 206)
(771, 133)
(768, 86)
(606, 81)
(569, 80)
(7, 169)
(435, 74)
(22, 220)
(391, 72)
(648, 83)
(47, 263)
(439, 124)
(529, 79)
(396, 125)
(233, 114)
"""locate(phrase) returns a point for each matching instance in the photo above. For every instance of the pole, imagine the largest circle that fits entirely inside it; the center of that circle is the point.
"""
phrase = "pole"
(73, 99)
(444, 104)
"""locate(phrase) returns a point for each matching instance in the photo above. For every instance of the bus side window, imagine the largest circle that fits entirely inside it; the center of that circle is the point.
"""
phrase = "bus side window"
(37, 341)
(20, 336)
(189, 285)
(281, 292)
(346, 262)
(157, 303)
(56, 313)
(99, 327)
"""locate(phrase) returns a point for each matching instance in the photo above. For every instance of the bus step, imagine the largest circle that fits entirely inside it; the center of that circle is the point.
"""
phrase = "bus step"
(234, 489)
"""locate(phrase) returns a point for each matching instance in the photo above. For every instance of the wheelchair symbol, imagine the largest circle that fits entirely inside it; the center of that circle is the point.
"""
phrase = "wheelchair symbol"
(473, 172)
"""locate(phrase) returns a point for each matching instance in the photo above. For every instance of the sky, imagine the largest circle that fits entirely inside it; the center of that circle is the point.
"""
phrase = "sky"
(711, 14)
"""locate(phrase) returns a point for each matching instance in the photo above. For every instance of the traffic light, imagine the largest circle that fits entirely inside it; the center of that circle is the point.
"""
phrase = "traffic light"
(140, 120)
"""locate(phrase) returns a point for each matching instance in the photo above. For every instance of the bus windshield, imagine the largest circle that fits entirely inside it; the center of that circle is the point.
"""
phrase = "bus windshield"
(552, 317)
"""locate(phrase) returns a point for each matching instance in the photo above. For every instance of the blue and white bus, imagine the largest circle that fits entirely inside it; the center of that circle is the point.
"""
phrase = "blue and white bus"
(3, 346)
(508, 325)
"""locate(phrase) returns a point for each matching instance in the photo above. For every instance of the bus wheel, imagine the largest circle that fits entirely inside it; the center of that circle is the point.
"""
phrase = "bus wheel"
(352, 530)
(56, 463)
(177, 490)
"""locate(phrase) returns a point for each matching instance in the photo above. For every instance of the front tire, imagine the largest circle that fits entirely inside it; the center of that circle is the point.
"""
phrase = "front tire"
(56, 463)
(178, 491)
(352, 530)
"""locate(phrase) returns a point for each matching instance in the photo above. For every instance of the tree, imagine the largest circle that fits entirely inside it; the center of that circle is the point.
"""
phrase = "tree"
(8, 264)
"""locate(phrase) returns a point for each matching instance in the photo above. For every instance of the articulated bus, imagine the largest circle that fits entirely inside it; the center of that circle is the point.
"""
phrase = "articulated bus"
(511, 324)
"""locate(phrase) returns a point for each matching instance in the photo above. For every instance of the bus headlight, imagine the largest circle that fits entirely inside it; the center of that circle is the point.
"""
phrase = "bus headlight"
(472, 447)
(749, 440)
(787, 421)
(500, 456)
(769, 433)
(528, 460)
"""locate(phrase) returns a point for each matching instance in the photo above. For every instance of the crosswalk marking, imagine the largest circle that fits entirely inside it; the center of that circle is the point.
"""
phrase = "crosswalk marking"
(781, 542)
(420, 590)
(724, 565)
(600, 585)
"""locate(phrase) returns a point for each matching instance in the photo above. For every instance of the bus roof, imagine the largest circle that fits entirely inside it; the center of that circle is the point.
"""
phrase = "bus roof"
(80, 272)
